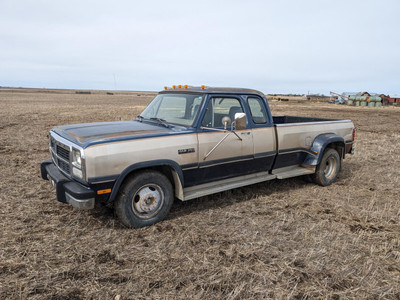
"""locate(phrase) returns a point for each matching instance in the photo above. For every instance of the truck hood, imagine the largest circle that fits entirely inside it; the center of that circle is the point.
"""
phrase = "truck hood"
(89, 134)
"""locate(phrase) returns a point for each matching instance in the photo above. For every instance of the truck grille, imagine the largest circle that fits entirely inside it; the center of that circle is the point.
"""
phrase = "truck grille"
(63, 166)
(60, 155)
(63, 153)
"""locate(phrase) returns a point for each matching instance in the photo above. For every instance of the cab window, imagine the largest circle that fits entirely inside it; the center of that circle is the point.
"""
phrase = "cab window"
(218, 108)
(257, 110)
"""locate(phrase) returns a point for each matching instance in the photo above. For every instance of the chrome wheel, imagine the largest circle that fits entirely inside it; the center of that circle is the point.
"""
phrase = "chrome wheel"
(330, 168)
(145, 198)
(147, 201)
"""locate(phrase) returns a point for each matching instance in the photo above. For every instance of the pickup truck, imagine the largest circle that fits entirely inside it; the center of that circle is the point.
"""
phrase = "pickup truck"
(187, 143)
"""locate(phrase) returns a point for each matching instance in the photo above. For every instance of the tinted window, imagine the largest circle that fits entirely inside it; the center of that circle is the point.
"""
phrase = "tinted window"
(257, 110)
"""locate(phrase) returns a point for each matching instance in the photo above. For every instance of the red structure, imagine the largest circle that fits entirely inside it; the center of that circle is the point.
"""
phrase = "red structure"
(394, 99)
(385, 99)
(390, 99)
(343, 96)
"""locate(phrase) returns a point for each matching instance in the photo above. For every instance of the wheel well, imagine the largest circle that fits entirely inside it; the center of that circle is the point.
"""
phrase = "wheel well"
(339, 147)
(165, 170)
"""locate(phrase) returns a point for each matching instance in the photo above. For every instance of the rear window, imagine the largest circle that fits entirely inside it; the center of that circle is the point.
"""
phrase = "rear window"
(257, 109)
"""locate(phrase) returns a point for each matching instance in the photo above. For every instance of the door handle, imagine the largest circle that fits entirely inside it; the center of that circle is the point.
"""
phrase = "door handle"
(246, 132)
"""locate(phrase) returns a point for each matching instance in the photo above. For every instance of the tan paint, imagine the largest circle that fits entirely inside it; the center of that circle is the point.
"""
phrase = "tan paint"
(300, 135)
(113, 158)
(264, 139)
(178, 186)
(230, 147)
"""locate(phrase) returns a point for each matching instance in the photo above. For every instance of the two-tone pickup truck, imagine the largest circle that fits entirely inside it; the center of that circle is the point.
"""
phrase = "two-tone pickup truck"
(190, 142)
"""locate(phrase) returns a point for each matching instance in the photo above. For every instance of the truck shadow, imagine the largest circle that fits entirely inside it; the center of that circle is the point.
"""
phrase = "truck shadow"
(274, 188)
(223, 199)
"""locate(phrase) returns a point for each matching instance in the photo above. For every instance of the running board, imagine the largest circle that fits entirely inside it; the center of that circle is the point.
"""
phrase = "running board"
(293, 171)
(224, 185)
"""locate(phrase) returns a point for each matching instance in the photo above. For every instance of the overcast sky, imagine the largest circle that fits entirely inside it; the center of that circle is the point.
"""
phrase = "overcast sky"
(282, 46)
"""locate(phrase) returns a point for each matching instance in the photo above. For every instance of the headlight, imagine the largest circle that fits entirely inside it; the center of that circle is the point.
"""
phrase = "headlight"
(77, 172)
(76, 158)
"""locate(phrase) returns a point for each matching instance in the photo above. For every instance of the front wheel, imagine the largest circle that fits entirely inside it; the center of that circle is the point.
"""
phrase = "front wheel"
(144, 199)
(328, 169)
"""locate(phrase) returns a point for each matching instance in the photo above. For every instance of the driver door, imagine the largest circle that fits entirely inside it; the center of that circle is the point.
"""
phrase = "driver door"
(221, 153)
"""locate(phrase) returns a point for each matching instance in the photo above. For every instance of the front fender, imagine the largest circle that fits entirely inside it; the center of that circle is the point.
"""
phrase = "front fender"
(178, 180)
(318, 147)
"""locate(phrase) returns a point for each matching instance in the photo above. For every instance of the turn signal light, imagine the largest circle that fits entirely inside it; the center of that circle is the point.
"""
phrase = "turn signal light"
(174, 86)
(165, 88)
(186, 86)
(203, 87)
(101, 192)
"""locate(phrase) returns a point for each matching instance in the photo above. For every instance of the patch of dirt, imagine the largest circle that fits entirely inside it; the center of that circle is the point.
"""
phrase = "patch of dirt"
(279, 239)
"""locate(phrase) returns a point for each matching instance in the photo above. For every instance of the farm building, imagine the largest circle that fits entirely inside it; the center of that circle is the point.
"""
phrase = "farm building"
(385, 99)
(391, 99)
(394, 99)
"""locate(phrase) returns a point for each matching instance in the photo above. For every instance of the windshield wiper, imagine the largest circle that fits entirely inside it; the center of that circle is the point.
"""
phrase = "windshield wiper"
(161, 121)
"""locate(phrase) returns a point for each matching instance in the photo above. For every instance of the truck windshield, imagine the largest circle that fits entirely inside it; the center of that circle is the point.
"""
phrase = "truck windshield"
(178, 109)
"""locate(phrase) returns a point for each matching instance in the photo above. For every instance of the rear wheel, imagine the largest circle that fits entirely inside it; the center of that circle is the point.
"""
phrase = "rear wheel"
(328, 169)
(145, 199)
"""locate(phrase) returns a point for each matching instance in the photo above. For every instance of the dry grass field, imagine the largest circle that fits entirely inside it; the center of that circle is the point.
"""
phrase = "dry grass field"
(277, 240)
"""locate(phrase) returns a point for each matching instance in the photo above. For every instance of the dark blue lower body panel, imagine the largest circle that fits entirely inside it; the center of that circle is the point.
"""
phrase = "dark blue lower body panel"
(218, 170)
(289, 159)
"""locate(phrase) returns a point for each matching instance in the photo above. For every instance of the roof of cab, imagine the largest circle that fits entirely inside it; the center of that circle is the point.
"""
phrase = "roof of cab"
(209, 90)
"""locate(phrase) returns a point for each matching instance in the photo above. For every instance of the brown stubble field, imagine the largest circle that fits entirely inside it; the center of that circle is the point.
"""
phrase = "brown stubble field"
(280, 240)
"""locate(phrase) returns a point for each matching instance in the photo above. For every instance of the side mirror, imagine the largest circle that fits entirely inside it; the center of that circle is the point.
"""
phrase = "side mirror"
(240, 121)
(226, 121)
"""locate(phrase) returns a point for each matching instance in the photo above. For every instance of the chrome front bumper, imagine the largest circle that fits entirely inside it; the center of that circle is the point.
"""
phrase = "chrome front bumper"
(80, 203)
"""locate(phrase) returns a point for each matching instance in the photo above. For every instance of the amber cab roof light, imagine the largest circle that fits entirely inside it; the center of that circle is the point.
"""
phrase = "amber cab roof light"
(180, 86)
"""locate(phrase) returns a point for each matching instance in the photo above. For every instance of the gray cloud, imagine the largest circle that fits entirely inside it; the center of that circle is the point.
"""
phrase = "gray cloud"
(285, 46)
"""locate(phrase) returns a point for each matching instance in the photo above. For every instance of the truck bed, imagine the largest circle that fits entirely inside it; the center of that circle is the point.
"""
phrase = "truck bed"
(296, 135)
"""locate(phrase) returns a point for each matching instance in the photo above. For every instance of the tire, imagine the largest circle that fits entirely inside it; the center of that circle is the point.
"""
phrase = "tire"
(328, 169)
(144, 199)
